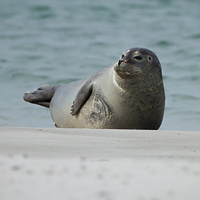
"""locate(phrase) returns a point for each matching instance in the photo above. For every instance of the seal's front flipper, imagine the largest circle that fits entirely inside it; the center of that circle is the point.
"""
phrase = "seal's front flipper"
(81, 98)
(42, 96)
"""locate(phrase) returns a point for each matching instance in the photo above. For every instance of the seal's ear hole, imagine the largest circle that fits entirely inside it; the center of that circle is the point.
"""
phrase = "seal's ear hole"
(149, 58)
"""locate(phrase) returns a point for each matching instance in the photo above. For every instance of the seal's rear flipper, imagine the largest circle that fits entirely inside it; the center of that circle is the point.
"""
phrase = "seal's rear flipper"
(42, 96)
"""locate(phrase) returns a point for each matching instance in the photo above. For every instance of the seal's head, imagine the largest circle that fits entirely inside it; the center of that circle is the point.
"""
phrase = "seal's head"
(136, 63)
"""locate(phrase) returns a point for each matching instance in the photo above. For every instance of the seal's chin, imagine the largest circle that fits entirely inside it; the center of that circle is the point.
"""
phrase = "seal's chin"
(125, 75)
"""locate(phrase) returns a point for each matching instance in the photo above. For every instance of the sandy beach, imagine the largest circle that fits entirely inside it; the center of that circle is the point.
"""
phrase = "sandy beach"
(42, 163)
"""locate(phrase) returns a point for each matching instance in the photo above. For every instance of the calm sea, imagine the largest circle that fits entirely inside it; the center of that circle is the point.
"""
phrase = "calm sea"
(58, 41)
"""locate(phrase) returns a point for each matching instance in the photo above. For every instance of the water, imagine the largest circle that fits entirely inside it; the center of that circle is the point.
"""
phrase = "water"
(58, 41)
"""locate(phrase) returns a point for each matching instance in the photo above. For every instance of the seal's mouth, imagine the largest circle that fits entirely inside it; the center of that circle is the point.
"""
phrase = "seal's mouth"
(127, 71)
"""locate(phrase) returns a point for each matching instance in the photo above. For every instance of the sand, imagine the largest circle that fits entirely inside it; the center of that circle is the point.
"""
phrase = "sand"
(41, 163)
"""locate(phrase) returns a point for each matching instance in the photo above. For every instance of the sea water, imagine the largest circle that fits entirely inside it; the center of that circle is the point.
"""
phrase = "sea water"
(59, 41)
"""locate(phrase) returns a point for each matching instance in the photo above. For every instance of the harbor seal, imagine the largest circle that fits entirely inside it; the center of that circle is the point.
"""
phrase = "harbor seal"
(128, 95)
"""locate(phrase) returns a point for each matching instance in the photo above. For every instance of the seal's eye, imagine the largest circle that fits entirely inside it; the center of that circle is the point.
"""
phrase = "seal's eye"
(149, 58)
(138, 57)
(122, 55)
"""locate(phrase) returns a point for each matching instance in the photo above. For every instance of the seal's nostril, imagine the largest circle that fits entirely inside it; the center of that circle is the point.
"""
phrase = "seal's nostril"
(120, 61)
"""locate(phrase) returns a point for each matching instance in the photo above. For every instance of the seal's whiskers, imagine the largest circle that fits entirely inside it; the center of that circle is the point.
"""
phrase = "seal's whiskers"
(139, 75)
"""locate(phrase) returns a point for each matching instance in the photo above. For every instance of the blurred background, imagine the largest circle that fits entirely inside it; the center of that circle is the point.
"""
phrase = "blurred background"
(59, 41)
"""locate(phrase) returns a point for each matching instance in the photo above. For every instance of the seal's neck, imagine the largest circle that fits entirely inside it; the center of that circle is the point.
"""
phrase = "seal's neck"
(125, 84)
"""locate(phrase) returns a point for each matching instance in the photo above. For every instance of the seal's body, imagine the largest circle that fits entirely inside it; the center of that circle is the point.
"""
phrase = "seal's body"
(128, 95)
